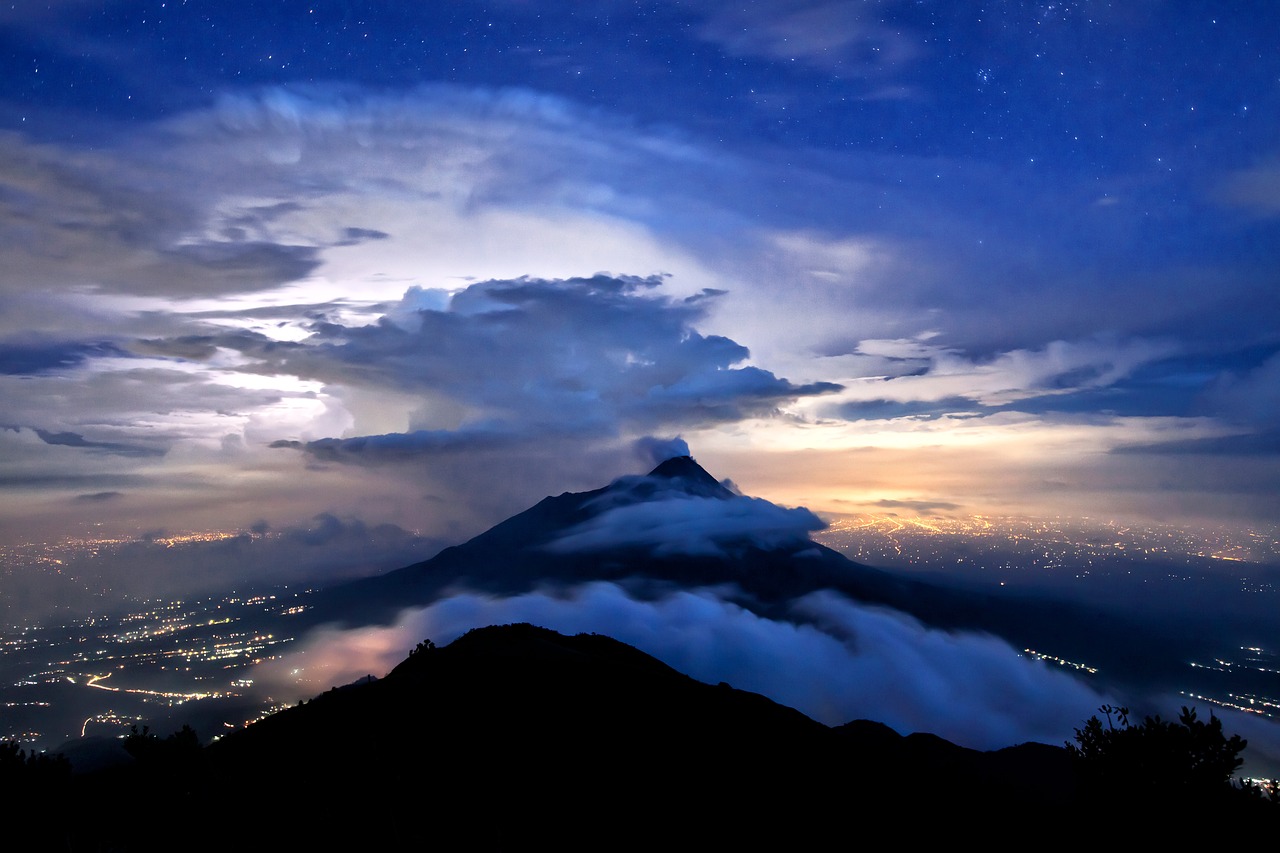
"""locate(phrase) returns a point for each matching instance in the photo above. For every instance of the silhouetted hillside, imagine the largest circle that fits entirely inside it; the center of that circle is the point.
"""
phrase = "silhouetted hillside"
(515, 736)
(518, 737)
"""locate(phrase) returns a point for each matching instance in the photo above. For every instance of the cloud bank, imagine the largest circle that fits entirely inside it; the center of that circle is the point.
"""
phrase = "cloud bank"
(834, 660)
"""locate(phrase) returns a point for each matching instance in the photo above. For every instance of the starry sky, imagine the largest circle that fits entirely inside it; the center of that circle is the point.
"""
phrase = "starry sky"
(408, 267)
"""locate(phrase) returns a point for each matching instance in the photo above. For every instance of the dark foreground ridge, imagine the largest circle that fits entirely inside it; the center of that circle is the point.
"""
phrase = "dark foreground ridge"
(517, 737)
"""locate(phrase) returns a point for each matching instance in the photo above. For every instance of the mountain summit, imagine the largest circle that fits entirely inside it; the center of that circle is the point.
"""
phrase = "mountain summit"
(676, 478)
(676, 524)
(685, 470)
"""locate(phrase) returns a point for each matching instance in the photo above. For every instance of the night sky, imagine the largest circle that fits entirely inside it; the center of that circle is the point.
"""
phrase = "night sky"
(419, 264)
(359, 280)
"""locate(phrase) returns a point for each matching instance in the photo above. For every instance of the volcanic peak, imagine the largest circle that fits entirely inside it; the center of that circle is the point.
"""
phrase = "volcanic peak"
(677, 476)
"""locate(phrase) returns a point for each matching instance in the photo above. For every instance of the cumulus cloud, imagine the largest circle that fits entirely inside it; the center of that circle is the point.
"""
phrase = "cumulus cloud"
(832, 659)
(508, 361)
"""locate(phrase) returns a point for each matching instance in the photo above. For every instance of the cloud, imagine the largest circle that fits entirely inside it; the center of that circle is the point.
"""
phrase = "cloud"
(831, 36)
(185, 347)
(355, 236)
(657, 450)
(463, 183)
(917, 506)
(401, 447)
(71, 439)
(922, 371)
(1249, 396)
(102, 223)
(32, 460)
(18, 359)
(832, 659)
(710, 397)
(148, 406)
(1260, 444)
(98, 497)
(241, 267)
(879, 410)
(1256, 190)
(237, 266)
(691, 525)
(510, 362)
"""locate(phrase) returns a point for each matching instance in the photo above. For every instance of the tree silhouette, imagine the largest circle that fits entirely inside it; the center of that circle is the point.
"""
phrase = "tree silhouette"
(20, 769)
(1157, 761)
(170, 768)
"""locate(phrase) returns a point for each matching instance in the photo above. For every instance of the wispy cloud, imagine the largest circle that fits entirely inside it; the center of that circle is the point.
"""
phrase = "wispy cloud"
(1256, 190)
(843, 37)
(918, 370)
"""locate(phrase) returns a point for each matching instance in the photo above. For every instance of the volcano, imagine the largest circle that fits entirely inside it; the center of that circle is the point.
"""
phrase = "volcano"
(679, 528)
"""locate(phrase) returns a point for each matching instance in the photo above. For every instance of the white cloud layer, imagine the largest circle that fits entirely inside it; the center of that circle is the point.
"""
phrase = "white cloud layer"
(691, 525)
(837, 662)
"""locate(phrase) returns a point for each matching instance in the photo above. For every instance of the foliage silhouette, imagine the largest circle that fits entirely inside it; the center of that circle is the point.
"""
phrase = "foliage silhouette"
(173, 766)
(18, 768)
(1158, 761)
(177, 748)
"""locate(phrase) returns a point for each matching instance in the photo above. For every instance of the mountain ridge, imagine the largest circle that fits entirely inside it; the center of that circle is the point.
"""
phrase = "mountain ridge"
(587, 720)
(515, 736)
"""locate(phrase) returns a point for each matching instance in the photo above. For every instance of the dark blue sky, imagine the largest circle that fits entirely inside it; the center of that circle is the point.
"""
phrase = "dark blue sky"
(310, 290)
(1083, 89)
